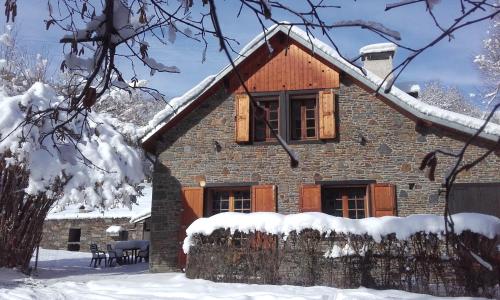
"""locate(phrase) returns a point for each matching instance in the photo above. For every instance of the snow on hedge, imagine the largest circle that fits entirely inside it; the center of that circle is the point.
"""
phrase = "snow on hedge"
(100, 170)
(403, 227)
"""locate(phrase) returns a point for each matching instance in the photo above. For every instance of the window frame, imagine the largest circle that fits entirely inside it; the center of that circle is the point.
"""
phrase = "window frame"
(284, 116)
(209, 198)
(303, 97)
(268, 135)
(345, 198)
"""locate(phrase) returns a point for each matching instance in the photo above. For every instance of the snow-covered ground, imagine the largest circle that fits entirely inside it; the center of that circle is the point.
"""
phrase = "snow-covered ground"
(66, 275)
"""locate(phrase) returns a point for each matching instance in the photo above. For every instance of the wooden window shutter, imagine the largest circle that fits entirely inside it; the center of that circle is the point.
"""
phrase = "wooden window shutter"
(383, 199)
(326, 114)
(310, 198)
(242, 127)
(192, 209)
(264, 198)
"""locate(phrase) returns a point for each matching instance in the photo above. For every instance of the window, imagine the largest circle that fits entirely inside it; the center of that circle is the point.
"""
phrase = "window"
(294, 115)
(348, 202)
(303, 117)
(236, 200)
(74, 239)
(475, 197)
(269, 112)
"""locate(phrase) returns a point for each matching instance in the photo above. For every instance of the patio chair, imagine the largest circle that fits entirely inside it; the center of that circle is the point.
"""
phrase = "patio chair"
(112, 256)
(97, 255)
(143, 254)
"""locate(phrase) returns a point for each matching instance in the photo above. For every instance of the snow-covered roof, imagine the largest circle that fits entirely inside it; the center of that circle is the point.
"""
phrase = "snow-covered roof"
(378, 48)
(72, 211)
(397, 97)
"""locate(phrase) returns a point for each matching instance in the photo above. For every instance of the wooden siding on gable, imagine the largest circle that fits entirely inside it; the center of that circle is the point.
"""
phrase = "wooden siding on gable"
(287, 68)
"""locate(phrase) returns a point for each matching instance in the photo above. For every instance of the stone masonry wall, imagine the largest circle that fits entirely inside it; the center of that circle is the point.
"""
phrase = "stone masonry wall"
(394, 148)
(55, 232)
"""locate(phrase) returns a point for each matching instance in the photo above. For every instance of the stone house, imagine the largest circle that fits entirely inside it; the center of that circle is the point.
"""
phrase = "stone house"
(358, 151)
(76, 227)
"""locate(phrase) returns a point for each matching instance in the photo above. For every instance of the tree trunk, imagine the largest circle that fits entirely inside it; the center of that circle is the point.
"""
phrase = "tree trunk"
(21, 217)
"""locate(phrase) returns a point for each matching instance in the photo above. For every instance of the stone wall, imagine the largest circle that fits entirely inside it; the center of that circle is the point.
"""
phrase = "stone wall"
(56, 232)
(394, 148)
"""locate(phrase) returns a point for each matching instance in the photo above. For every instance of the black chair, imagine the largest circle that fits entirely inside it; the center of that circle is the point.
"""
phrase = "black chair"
(112, 256)
(142, 254)
(97, 255)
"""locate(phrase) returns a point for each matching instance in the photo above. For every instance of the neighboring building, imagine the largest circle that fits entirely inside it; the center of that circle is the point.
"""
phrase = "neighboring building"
(75, 227)
(359, 152)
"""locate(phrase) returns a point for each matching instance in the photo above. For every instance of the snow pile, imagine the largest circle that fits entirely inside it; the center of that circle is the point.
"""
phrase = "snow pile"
(114, 229)
(378, 48)
(66, 275)
(101, 168)
(134, 210)
(347, 250)
(415, 88)
(377, 228)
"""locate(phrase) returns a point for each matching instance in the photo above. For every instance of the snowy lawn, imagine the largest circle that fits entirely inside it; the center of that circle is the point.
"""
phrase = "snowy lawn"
(66, 275)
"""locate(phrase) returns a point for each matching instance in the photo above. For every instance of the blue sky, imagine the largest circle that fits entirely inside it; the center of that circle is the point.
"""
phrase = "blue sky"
(449, 61)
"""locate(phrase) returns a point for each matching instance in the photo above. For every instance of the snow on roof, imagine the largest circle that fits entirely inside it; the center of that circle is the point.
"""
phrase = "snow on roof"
(419, 109)
(377, 48)
(142, 208)
(403, 227)
(114, 229)
(415, 88)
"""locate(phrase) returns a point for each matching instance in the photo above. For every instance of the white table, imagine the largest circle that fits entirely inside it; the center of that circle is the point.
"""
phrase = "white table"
(132, 245)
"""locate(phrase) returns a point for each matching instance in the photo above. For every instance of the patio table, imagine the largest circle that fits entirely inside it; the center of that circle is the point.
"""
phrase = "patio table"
(132, 245)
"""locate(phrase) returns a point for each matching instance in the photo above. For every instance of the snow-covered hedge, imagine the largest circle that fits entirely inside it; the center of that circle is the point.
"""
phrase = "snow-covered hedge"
(309, 249)
(377, 228)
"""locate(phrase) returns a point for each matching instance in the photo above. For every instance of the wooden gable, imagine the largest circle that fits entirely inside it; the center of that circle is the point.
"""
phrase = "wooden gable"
(289, 67)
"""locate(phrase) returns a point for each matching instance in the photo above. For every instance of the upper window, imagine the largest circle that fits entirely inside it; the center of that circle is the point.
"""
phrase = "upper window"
(348, 202)
(303, 117)
(269, 113)
(295, 116)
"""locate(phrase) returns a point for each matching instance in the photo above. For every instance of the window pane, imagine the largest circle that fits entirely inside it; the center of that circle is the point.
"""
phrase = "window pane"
(310, 113)
(310, 104)
(260, 131)
(310, 123)
(242, 201)
(311, 132)
(220, 202)
(274, 125)
(333, 204)
(269, 113)
(360, 204)
(296, 121)
(352, 204)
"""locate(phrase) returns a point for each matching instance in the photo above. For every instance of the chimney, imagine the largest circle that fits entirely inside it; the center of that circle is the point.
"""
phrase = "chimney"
(377, 58)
